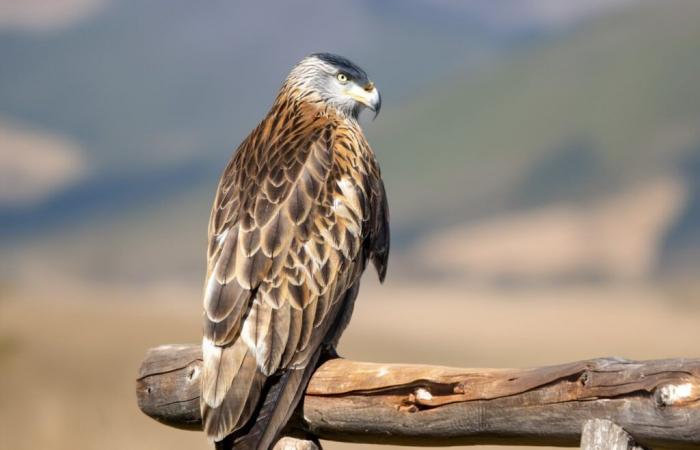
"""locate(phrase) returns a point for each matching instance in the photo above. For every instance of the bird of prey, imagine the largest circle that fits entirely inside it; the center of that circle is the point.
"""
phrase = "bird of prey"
(299, 211)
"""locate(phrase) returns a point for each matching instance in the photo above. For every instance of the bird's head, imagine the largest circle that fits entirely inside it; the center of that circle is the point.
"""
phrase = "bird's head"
(336, 81)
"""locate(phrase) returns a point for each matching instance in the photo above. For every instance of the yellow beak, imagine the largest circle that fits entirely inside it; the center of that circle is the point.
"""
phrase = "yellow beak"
(367, 95)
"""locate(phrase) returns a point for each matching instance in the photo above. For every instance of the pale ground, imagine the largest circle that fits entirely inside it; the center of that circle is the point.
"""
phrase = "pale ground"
(70, 347)
(68, 364)
(595, 238)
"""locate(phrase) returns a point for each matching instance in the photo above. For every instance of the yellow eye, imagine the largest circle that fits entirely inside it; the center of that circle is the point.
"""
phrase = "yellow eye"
(342, 78)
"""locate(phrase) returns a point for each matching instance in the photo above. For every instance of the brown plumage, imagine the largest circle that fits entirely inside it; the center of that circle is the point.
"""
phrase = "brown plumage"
(298, 212)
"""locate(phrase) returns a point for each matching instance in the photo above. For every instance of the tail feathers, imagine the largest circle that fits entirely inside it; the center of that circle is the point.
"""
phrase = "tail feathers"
(237, 407)
(224, 444)
(280, 401)
(221, 366)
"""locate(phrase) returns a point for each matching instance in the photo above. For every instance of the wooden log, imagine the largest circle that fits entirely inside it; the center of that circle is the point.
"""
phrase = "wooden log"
(602, 434)
(657, 402)
(292, 443)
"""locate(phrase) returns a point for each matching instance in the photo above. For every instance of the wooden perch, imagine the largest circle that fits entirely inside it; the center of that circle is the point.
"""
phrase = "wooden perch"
(602, 434)
(656, 402)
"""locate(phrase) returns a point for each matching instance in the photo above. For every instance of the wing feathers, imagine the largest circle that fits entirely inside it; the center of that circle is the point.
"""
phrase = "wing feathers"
(249, 241)
(296, 317)
(380, 231)
(264, 209)
(307, 325)
(290, 233)
(221, 365)
(274, 341)
(227, 329)
(250, 270)
(298, 295)
(276, 234)
(256, 324)
(239, 403)
(299, 204)
(225, 300)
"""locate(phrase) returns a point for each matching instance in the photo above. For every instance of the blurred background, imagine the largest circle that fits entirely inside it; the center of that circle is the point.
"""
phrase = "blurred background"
(541, 157)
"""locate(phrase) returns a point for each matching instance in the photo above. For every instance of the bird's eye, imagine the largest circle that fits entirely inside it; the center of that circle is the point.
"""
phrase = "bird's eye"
(342, 77)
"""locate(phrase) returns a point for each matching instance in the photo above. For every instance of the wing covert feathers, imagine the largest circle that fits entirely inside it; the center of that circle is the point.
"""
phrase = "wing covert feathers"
(298, 212)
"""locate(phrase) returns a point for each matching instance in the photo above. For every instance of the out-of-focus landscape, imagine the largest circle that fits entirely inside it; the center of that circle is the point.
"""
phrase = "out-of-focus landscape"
(542, 161)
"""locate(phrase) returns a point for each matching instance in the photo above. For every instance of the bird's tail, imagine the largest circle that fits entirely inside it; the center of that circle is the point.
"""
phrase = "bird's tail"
(279, 400)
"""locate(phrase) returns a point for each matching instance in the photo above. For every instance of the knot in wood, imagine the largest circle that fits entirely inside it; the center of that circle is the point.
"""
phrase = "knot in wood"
(675, 394)
(584, 378)
(420, 397)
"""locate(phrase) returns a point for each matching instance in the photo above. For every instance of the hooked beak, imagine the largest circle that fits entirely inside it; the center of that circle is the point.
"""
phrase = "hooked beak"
(368, 95)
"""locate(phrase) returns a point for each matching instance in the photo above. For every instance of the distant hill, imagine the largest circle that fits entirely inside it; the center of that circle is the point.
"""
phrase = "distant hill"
(620, 101)
(566, 118)
(571, 120)
(159, 93)
(681, 246)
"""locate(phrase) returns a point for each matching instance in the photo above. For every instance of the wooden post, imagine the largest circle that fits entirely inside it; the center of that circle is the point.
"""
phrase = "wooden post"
(292, 443)
(656, 402)
(602, 434)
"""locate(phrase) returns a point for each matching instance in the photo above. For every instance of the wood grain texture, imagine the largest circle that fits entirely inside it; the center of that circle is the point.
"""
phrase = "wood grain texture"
(291, 443)
(602, 434)
(656, 402)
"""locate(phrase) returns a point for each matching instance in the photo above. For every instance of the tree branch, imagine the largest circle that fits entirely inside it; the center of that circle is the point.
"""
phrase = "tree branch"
(602, 434)
(656, 402)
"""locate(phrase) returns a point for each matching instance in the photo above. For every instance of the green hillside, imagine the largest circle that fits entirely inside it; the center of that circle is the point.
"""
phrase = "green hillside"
(622, 90)
(614, 101)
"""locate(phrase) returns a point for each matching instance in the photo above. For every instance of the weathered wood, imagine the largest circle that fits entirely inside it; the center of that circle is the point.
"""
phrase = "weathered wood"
(602, 434)
(657, 402)
(292, 443)
(168, 387)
